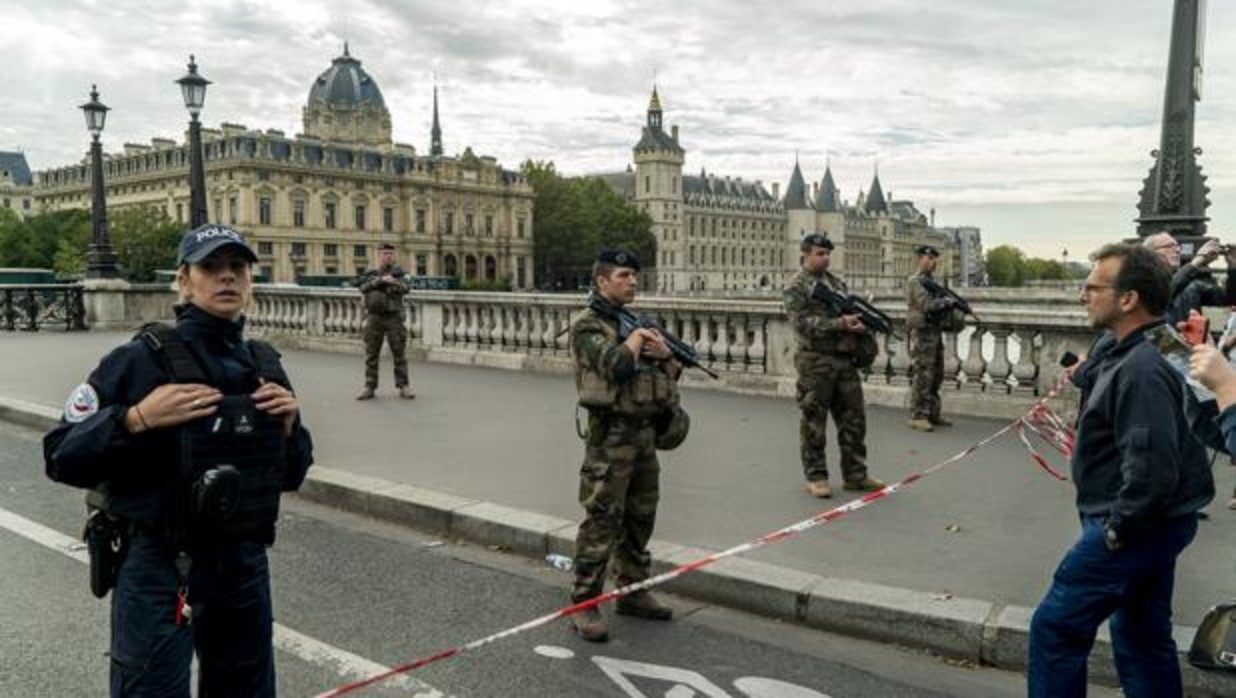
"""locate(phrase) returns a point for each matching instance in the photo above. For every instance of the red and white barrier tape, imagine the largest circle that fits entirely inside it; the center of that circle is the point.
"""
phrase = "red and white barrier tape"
(1039, 419)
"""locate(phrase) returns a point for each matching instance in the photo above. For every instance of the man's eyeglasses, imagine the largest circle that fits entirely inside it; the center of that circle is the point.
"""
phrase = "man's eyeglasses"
(1091, 288)
(1167, 245)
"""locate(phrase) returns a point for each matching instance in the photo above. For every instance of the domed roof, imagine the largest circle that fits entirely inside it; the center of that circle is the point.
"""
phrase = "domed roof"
(345, 84)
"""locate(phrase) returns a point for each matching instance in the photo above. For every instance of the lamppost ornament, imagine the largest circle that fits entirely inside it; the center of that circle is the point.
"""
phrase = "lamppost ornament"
(193, 89)
(100, 261)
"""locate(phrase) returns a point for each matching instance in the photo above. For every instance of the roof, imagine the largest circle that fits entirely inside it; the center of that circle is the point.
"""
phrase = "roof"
(875, 198)
(16, 167)
(796, 191)
(828, 200)
(657, 139)
(345, 84)
(622, 183)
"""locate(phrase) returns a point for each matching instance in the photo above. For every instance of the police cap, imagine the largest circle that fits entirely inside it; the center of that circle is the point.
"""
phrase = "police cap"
(619, 258)
(816, 240)
(201, 242)
(927, 250)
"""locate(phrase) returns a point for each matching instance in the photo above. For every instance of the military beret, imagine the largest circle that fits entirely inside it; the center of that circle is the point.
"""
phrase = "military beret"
(619, 258)
(927, 250)
(201, 242)
(816, 240)
(386, 246)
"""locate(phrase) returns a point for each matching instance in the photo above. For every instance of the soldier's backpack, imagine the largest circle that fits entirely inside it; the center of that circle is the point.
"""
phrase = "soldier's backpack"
(1214, 645)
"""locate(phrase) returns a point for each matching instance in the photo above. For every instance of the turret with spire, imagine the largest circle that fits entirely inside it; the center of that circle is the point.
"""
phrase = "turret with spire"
(876, 204)
(796, 190)
(828, 199)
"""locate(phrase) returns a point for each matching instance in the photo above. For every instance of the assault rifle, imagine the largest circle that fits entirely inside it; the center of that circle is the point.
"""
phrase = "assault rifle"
(628, 322)
(939, 290)
(846, 304)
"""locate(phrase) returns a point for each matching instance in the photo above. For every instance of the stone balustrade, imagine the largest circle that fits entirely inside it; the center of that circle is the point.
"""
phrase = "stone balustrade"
(994, 367)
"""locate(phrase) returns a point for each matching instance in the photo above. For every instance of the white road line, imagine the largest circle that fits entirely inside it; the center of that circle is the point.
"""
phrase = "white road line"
(347, 665)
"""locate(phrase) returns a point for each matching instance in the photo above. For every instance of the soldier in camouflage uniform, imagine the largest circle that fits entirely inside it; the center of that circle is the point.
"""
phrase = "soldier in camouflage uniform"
(927, 318)
(384, 289)
(831, 350)
(625, 385)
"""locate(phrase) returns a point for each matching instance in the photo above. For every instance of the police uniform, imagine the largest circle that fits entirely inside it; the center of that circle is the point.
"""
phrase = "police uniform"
(194, 572)
(828, 361)
(627, 400)
(927, 318)
(385, 320)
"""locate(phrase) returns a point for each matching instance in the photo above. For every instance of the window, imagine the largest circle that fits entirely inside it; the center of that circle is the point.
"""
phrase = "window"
(298, 249)
(332, 270)
(420, 220)
(267, 272)
(329, 214)
(388, 218)
(468, 223)
(360, 251)
(521, 276)
(232, 208)
(489, 226)
(263, 176)
(519, 228)
(218, 210)
(422, 265)
(647, 184)
(180, 213)
(360, 217)
(360, 269)
(298, 213)
(8, 203)
(449, 223)
(264, 210)
(387, 187)
(330, 250)
(266, 247)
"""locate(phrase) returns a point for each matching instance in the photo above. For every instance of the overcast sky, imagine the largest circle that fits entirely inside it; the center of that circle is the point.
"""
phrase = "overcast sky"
(1031, 118)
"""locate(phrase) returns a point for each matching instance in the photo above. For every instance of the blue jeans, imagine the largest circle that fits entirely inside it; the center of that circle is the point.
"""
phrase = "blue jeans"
(1133, 587)
(231, 629)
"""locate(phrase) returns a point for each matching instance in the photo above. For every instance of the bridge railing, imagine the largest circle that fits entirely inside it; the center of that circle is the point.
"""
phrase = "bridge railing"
(34, 306)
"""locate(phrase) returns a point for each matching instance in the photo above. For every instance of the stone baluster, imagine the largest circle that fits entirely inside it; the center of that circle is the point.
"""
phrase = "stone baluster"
(952, 360)
(472, 316)
(899, 358)
(975, 365)
(738, 348)
(878, 371)
(448, 324)
(561, 339)
(504, 333)
(1026, 370)
(1000, 368)
(757, 359)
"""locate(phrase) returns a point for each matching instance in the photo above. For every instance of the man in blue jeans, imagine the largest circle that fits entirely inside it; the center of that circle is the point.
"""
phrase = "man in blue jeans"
(1141, 478)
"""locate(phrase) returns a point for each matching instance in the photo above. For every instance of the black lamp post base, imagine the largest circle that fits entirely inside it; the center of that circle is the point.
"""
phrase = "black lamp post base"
(101, 263)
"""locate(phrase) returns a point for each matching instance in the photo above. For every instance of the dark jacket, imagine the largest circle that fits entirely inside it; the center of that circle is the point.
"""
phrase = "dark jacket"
(1194, 288)
(137, 469)
(1137, 461)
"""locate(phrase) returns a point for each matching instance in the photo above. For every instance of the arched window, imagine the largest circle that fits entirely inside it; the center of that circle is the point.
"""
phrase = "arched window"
(449, 266)
(491, 268)
(470, 268)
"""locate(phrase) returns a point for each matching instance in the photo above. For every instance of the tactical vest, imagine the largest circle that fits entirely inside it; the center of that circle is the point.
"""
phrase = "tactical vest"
(859, 349)
(237, 435)
(649, 392)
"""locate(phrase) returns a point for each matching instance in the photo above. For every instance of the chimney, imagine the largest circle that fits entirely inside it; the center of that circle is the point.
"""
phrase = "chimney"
(776, 190)
(933, 216)
(815, 190)
(674, 132)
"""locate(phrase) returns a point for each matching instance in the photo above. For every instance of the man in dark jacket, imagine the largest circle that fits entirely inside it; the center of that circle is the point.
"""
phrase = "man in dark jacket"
(1193, 285)
(1141, 478)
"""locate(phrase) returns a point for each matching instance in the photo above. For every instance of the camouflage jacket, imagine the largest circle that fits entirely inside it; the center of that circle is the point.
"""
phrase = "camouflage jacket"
(382, 298)
(609, 377)
(818, 330)
(927, 314)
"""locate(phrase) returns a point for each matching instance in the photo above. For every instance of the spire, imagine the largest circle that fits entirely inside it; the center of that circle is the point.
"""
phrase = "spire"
(345, 49)
(654, 110)
(828, 200)
(435, 135)
(875, 198)
(796, 190)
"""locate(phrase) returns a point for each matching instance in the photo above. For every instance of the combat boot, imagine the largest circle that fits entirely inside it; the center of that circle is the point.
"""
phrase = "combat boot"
(920, 424)
(366, 394)
(405, 392)
(642, 604)
(589, 625)
(819, 489)
(867, 484)
(941, 422)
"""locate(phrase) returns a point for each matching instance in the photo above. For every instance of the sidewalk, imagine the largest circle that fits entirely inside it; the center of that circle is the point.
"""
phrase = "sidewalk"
(508, 439)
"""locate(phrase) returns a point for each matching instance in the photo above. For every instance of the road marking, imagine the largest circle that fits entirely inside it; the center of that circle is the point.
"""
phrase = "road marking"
(316, 652)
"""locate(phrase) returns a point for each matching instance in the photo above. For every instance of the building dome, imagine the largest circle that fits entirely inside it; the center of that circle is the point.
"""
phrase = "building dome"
(345, 84)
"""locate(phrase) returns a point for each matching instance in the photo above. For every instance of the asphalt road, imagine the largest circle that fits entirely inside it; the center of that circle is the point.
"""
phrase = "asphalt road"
(353, 595)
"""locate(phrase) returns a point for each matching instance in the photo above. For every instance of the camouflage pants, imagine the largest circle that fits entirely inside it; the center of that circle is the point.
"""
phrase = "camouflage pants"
(391, 328)
(927, 361)
(831, 384)
(619, 485)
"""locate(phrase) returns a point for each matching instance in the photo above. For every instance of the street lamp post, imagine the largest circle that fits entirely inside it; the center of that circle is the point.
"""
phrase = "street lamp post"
(193, 89)
(100, 261)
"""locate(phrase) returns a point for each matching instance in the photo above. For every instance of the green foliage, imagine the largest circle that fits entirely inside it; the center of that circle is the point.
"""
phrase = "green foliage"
(144, 240)
(1009, 266)
(34, 241)
(574, 217)
(502, 283)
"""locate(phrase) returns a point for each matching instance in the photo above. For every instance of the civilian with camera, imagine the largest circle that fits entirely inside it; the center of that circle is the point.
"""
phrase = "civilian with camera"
(1193, 284)
(185, 437)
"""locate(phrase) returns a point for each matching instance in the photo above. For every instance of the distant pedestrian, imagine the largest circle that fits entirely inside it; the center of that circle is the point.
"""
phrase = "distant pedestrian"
(928, 317)
(384, 289)
(1141, 477)
(831, 350)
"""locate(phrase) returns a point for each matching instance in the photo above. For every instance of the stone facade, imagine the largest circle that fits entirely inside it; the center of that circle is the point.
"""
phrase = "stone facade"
(725, 235)
(16, 190)
(321, 202)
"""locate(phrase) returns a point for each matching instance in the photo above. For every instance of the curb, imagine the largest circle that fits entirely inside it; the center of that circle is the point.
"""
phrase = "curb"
(974, 630)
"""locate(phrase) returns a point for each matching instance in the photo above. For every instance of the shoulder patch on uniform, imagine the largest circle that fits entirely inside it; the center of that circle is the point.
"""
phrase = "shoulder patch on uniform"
(82, 403)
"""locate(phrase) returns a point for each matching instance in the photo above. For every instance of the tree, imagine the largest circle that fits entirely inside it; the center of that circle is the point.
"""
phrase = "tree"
(35, 241)
(1006, 266)
(574, 217)
(144, 240)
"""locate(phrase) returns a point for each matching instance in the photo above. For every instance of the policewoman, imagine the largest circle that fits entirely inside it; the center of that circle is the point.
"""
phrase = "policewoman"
(185, 437)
